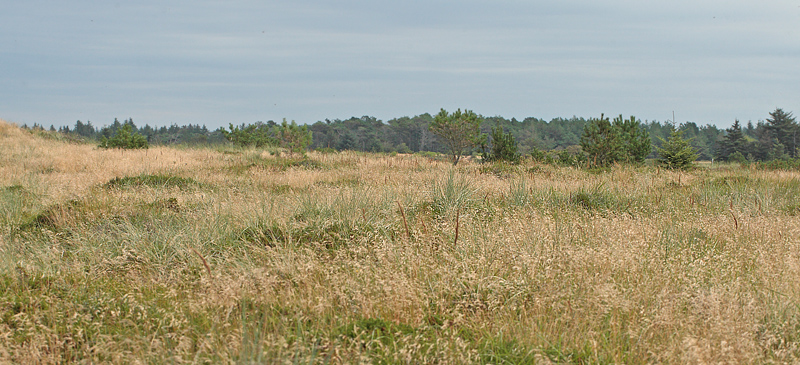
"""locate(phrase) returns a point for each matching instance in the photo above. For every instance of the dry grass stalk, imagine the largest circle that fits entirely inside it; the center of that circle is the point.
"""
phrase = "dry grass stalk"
(735, 220)
(203, 259)
(458, 214)
(405, 222)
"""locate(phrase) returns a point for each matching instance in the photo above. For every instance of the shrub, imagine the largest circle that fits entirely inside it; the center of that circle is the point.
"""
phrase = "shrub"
(504, 147)
(782, 164)
(563, 157)
(737, 157)
(326, 150)
(125, 138)
(601, 141)
(256, 135)
(293, 137)
(624, 140)
(540, 155)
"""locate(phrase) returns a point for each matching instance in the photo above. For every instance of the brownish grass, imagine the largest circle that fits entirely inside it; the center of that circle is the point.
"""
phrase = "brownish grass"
(223, 256)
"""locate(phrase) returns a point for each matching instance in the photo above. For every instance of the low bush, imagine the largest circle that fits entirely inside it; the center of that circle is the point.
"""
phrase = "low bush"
(125, 138)
(785, 164)
(503, 147)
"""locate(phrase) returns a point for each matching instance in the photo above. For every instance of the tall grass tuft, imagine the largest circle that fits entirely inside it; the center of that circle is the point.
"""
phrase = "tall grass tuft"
(452, 192)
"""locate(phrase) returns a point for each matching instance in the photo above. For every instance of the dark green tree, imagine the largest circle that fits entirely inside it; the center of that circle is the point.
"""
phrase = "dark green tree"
(601, 142)
(634, 139)
(293, 137)
(676, 152)
(325, 136)
(346, 142)
(503, 146)
(692, 133)
(785, 130)
(711, 137)
(412, 132)
(763, 149)
(733, 142)
(459, 132)
(147, 131)
(125, 137)
(255, 135)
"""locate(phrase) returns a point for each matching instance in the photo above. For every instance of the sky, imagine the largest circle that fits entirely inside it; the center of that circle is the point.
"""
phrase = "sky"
(217, 62)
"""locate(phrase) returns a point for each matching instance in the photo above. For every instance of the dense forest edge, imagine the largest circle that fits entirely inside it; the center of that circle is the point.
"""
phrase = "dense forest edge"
(772, 139)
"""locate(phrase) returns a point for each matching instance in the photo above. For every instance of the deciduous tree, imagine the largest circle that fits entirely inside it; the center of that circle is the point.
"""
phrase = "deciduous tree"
(459, 132)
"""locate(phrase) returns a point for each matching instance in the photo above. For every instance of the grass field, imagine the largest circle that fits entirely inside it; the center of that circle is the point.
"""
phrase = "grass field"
(239, 256)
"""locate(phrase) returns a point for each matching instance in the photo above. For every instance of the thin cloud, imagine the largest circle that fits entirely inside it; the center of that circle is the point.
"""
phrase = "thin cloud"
(214, 62)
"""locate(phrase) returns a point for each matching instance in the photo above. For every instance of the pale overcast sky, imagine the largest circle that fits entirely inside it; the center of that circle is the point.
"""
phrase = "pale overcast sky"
(214, 62)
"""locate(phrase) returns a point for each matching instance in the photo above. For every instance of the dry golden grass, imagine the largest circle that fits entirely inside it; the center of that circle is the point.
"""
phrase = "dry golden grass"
(310, 260)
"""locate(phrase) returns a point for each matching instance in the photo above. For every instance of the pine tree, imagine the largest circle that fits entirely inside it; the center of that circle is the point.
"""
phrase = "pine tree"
(634, 138)
(126, 138)
(460, 132)
(504, 147)
(676, 152)
(295, 138)
(601, 141)
(733, 142)
(785, 130)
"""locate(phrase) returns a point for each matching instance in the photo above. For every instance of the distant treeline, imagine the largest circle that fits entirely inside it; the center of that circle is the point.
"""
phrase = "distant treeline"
(174, 134)
(775, 138)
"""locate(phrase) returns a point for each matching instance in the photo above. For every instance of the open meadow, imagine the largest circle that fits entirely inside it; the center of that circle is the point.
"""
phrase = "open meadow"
(230, 255)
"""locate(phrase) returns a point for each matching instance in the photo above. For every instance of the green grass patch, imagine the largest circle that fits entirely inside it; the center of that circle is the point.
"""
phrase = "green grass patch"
(792, 209)
(153, 181)
(497, 350)
(451, 194)
(170, 204)
(275, 164)
(593, 200)
(96, 319)
(501, 169)
(731, 182)
(349, 182)
(327, 234)
(53, 217)
(15, 190)
(375, 328)
(16, 203)
(597, 200)
(562, 355)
